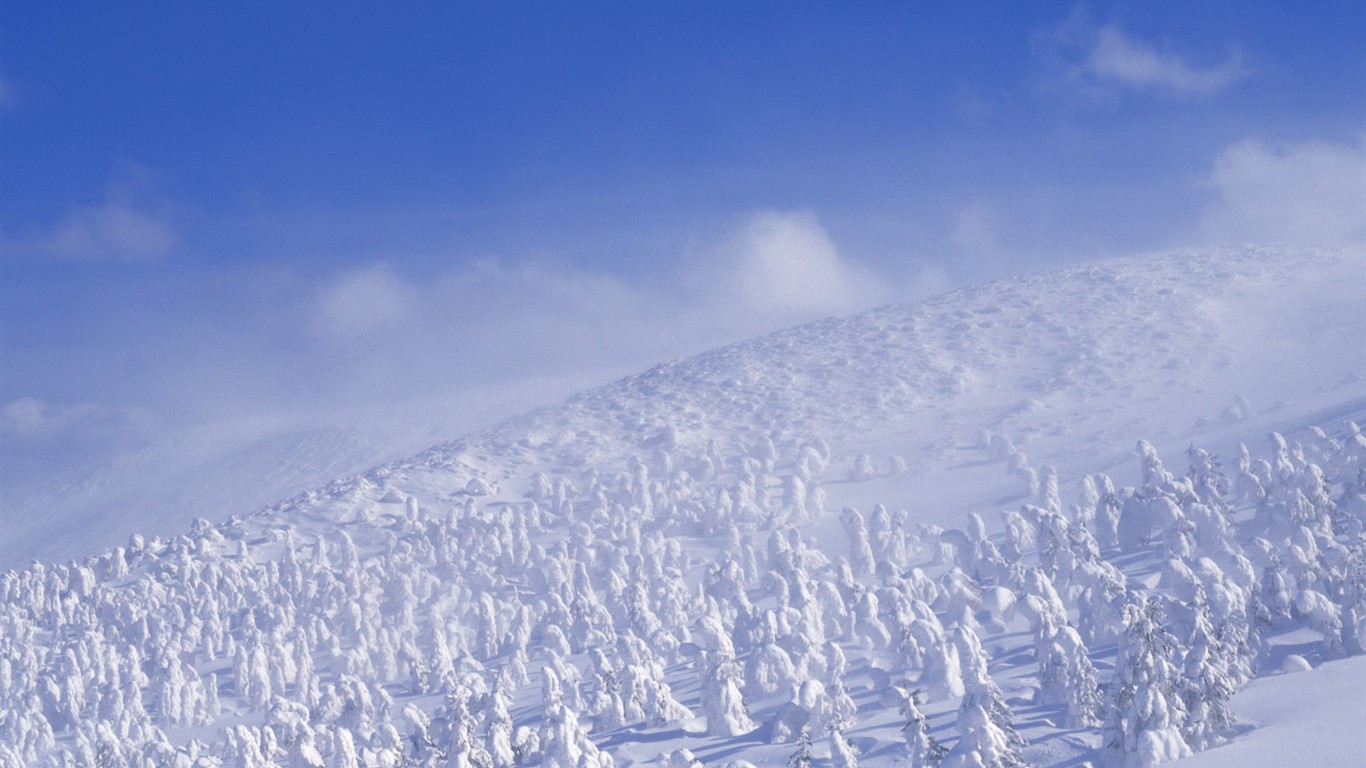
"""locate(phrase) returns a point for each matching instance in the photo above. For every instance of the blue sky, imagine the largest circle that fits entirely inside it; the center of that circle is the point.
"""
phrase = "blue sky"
(215, 210)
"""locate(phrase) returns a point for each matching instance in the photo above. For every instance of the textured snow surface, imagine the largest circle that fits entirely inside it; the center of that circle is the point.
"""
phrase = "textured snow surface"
(703, 541)
(1072, 366)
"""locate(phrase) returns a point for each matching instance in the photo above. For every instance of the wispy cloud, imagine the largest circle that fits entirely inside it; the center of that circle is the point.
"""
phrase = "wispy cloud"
(785, 265)
(9, 92)
(109, 232)
(1308, 192)
(391, 327)
(43, 441)
(37, 422)
(363, 301)
(1099, 61)
(130, 224)
(1123, 60)
(782, 267)
(975, 230)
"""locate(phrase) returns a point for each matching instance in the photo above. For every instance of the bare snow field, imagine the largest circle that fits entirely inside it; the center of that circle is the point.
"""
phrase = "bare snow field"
(1108, 515)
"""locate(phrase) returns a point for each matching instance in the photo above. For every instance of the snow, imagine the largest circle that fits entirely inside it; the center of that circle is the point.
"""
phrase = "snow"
(233, 467)
(1308, 718)
(806, 541)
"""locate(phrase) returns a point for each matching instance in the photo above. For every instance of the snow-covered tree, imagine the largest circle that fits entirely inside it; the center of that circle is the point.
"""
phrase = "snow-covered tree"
(942, 675)
(860, 551)
(843, 710)
(1146, 712)
(801, 757)
(1066, 676)
(978, 687)
(981, 743)
(922, 750)
(722, 702)
(842, 753)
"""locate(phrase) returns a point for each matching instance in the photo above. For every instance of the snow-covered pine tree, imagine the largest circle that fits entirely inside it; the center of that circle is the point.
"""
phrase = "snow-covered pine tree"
(942, 675)
(1205, 692)
(860, 550)
(981, 744)
(978, 687)
(842, 753)
(1066, 676)
(722, 702)
(922, 750)
(844, 712)
(801, 756)
(1145, 712)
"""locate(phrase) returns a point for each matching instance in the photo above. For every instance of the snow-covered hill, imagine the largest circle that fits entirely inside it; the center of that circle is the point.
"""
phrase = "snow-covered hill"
(922, 532)
(1072, 365)
(231, 466)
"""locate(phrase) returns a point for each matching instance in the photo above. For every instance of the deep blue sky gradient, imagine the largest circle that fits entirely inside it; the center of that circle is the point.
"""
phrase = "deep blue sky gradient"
(303, 131)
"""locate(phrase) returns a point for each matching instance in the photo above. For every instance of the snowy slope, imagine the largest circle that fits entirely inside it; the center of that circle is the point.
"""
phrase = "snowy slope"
(1305, 718)
(1072, 366)
(219, 469)
(610, 524)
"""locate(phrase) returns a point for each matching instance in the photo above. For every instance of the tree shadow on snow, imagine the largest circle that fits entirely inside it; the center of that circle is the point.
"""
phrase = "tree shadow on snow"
(735, 746)
(629, 735)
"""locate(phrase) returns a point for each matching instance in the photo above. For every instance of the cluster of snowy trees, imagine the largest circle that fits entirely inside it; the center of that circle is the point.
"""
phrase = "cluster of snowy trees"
(684, 595)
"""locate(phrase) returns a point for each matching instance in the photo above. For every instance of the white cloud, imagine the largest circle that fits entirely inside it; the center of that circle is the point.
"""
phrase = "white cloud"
(1121, 59)
(1096, 62)
(975, 230)
(783, 264)
(363, 301)
(388, 334)
(130, 225)
(38, 422)
(1310, 192)
(380, 331)
(109, 232)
